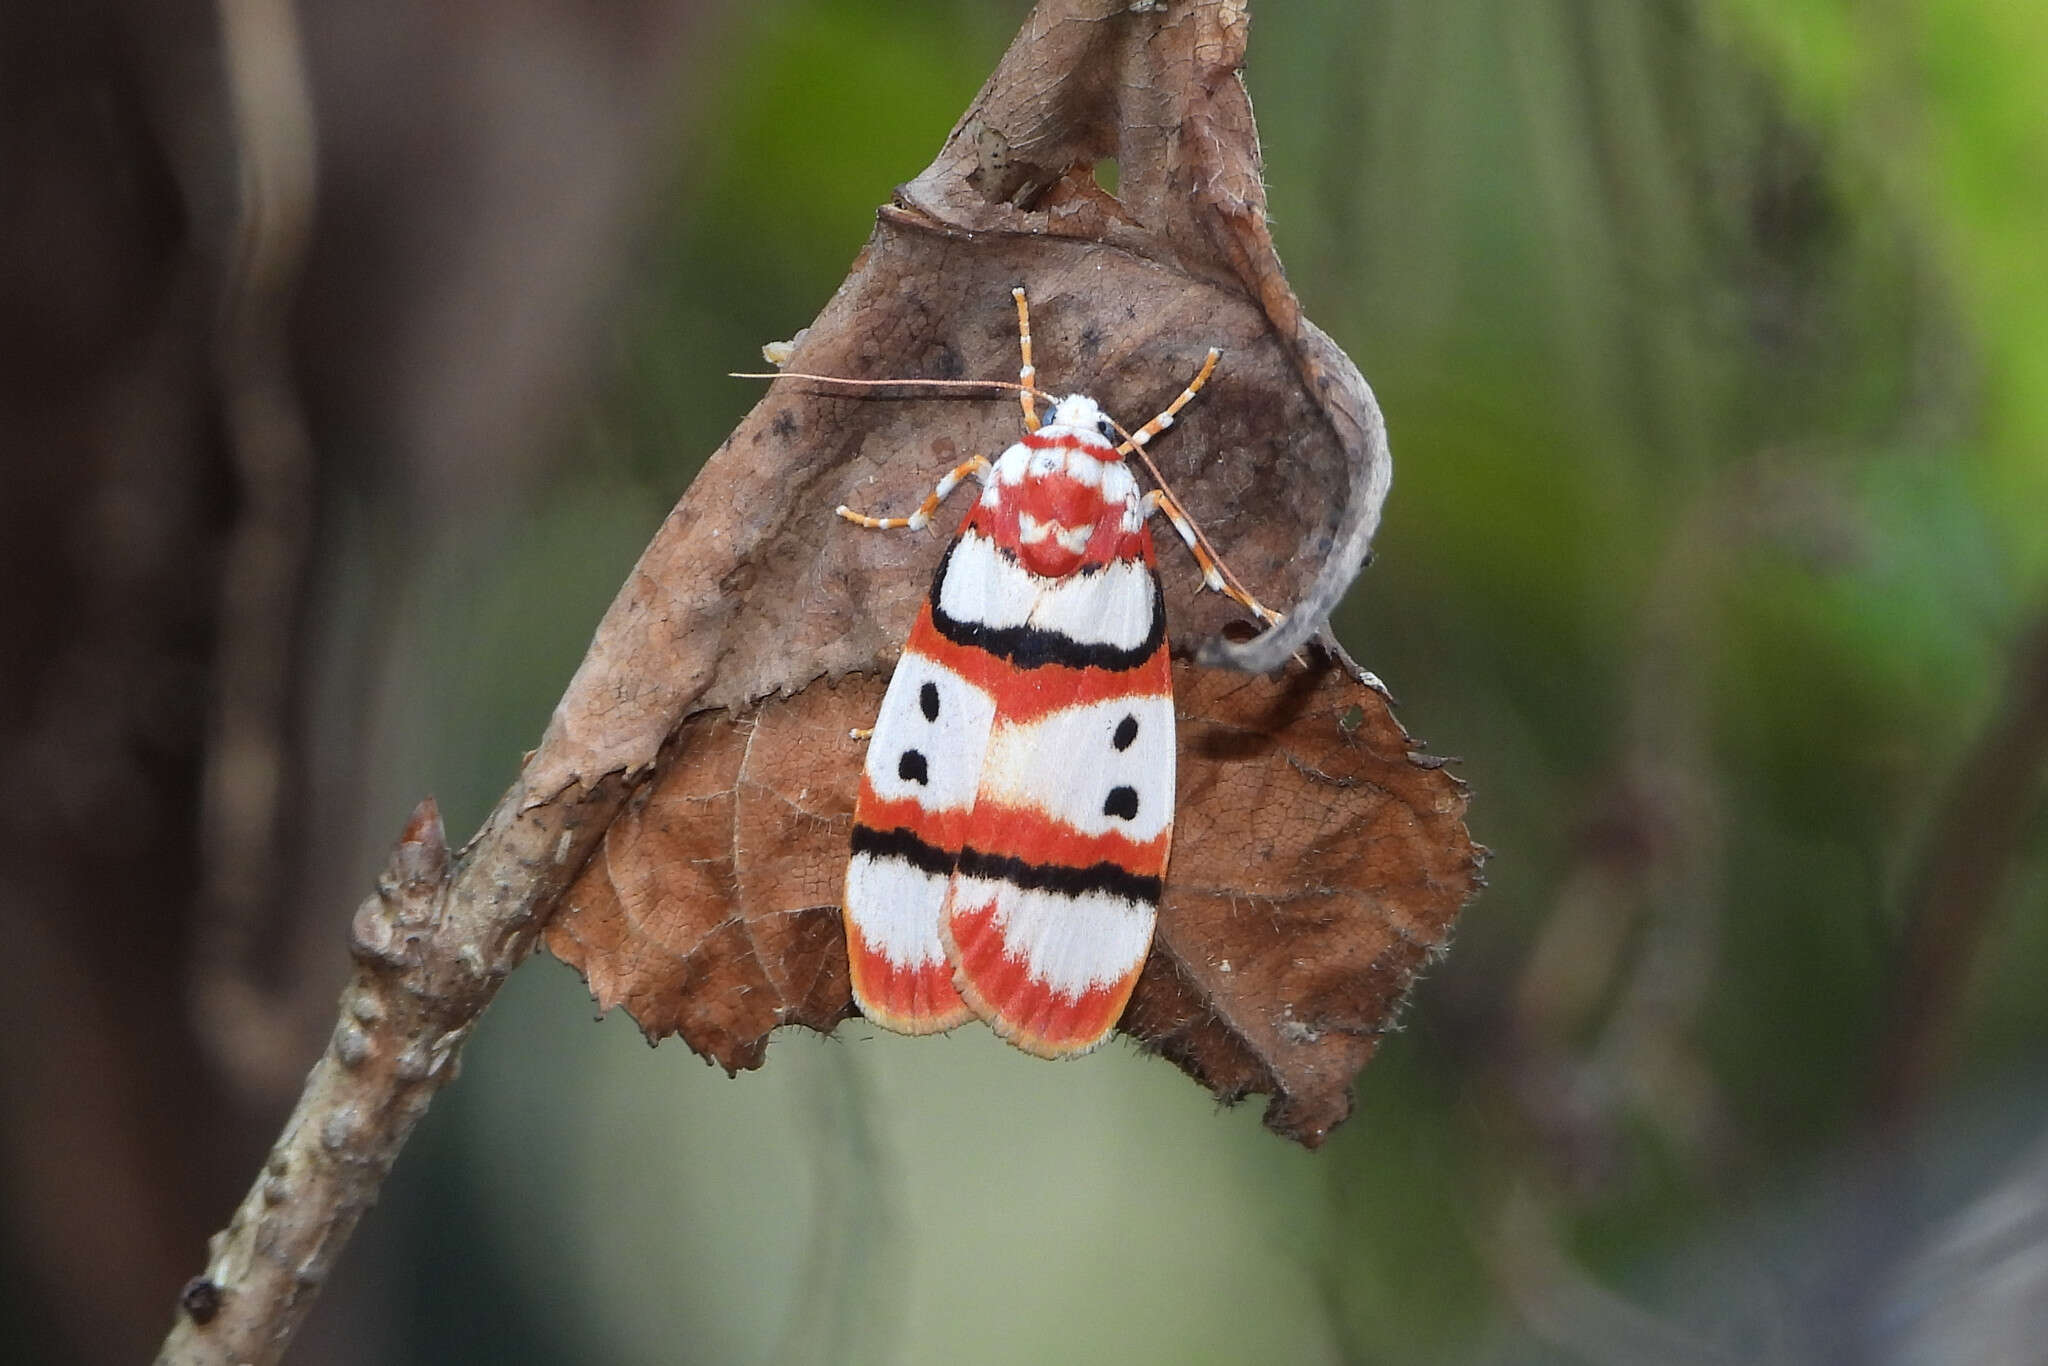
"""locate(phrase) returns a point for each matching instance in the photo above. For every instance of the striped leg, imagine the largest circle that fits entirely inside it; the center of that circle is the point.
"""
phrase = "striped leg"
(1214, 576)
(1143, 436)
(976, 465)
(1027, 373)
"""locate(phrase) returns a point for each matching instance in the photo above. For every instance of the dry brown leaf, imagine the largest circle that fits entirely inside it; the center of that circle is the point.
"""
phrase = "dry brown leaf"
(712, 908)
(751, 588)
(1316, 867)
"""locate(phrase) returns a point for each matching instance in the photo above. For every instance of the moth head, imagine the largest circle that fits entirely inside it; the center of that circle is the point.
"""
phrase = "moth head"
(1079, 415)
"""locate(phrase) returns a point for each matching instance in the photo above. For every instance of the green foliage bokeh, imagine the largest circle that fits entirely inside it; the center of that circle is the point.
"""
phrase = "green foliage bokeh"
(1713, 341)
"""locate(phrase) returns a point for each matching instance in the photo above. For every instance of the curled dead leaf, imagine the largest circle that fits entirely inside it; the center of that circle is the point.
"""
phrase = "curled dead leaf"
(747, 590)
(1316, 864)
(1316, 869)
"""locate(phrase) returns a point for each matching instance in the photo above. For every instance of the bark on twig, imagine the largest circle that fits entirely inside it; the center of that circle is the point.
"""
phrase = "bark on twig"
(432, 946)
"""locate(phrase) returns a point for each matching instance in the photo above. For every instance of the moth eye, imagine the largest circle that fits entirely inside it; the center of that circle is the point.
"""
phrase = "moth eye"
(1108, 430)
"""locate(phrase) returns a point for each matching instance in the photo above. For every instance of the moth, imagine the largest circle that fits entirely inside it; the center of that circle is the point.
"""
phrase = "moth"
(1015, 815)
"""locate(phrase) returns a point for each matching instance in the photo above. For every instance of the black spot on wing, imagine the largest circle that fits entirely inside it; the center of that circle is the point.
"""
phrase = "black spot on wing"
(1126, 732)
(911, 768)
(1123, 802)
(928, 701)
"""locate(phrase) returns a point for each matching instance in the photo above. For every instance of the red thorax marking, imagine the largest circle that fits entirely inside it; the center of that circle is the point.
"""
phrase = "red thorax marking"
(1070, 524)
(1066, 441)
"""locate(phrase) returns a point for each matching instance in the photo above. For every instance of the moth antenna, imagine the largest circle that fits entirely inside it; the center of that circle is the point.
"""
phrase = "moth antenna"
(1003, 384)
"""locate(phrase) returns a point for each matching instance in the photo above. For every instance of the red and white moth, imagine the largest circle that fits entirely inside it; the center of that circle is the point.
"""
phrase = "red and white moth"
(1015, 814)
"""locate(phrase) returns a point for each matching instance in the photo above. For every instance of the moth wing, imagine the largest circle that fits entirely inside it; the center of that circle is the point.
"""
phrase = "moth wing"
(918, 784)
(1052, 903)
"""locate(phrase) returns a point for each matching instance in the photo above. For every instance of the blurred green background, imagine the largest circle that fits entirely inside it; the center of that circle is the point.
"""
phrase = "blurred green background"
(1713, 341)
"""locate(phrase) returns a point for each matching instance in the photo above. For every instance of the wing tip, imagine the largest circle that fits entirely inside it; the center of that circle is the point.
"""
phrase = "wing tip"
(903, 998)
(915, 1025)
(1026, 1012)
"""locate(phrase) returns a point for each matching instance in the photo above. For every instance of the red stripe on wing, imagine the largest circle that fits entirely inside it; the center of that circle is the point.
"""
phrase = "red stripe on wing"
(1027, 694)
(941, 829)
(916, 999)
(998, 985)
(1027, 833)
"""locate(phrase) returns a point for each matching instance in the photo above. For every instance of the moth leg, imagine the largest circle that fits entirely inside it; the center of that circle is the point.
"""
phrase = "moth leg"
(977, 466)
(1143, 436)
(1027, 373)
(1214, 576)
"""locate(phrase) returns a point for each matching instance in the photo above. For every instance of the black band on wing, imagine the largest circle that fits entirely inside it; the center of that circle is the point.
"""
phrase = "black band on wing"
(1028, 647)
(1057, 877)
(1102, 877)
(902, 844)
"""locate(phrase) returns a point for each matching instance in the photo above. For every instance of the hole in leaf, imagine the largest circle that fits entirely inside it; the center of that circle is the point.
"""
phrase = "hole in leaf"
(1107, 175)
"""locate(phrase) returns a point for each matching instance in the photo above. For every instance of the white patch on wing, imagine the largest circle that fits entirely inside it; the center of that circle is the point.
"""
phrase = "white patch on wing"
(1067, 765)
(948, 747)
(1112, 605)
(985, 587)
(1071, 943)
(897, 907)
